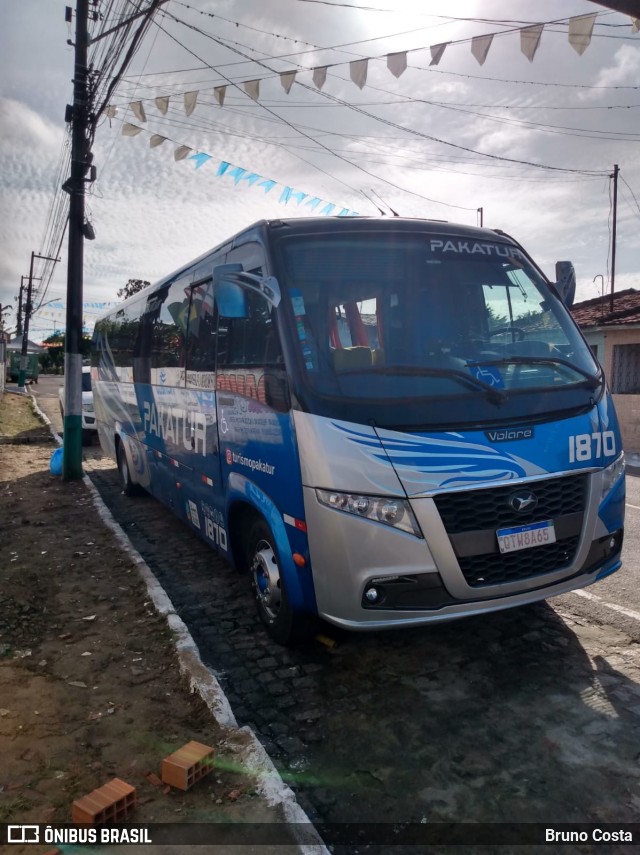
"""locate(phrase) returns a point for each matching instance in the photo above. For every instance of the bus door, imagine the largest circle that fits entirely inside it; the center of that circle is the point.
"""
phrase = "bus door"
(203, 490)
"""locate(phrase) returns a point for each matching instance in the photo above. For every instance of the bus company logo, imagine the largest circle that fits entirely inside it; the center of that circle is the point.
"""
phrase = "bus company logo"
(23, 834)
(509, 434)
(229, 457)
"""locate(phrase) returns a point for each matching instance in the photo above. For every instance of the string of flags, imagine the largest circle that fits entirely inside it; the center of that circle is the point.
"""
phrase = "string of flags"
(580, 31)
(245, 177)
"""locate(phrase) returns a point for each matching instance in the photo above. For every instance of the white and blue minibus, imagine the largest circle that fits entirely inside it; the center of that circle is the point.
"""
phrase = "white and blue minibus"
(386, 422)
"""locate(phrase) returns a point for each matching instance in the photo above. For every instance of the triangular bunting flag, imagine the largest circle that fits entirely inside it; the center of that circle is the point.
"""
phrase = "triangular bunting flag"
(200, 158)
(285, 195)
(580, 30)
(529, 40)
(219, 92)
(223, 167)
(267, 185)
(181, 152)
(313, 203)
(287, 79)
(162, 103)
(436, 52)
(299, 196)
(635, 25)
(251, 178)
(138, 111)
(129, 130)
(480, 47)
(358, 71)
(156, 140)
(397, 63)
(237, 173)
(190, 99)
(319, 76)
(112, 112)
(252, 88)
(328, 209)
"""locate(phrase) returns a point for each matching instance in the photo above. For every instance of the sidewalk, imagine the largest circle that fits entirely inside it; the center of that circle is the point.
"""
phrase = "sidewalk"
(99, 678)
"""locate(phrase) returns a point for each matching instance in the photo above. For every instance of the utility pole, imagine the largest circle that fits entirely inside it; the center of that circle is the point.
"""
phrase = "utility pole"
(80, 162)
(19, 326)
(613, 230)
(480, 217)
(27, 316)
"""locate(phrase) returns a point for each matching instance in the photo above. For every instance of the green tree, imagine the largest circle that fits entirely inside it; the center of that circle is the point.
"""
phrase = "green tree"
(132, 287)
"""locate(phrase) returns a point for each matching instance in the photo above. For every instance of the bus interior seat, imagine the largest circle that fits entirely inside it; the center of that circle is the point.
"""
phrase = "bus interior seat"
(352, 358)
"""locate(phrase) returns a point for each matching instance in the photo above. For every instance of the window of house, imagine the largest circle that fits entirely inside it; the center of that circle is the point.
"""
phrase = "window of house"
(625, 372)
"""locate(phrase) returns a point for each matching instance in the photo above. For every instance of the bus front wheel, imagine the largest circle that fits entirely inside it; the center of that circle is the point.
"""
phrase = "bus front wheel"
(283, 624)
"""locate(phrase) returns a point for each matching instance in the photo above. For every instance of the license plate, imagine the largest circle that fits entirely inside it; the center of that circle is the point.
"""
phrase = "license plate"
(526, 536)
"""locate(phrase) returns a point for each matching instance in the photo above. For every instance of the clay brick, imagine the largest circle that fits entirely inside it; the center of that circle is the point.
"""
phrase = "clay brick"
(187, 765)
(109, 803)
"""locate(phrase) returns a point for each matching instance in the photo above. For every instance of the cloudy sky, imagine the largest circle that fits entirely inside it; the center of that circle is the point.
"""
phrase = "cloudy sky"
(437, 142)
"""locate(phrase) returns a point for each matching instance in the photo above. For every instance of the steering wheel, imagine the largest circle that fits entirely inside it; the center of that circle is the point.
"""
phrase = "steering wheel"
(518, 333)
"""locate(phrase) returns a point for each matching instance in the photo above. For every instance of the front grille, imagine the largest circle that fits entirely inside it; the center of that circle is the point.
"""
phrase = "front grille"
(489, 510)
(482, 509)
(494, 568)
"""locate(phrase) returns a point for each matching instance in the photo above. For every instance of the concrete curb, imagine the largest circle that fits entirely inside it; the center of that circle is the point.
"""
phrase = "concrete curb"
(270, 785)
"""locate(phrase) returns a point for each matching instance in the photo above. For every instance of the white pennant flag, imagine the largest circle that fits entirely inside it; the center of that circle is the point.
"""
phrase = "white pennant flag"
(480, 47)
(181, 152)
(138, 111)
(530, 39)
(319, 76)
(397, 63)
(219, 92)
(252, 88)
(156, 140)
(358, 71)
(190, 99)
(129, 130)
(635, 25)
(287, 79)
(112, 112)
(436, 53)
(162, 103)
(580, 30)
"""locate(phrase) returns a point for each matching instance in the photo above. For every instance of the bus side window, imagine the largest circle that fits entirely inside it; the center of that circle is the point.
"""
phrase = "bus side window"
(202, 332)
(170, 326)
(252, 340)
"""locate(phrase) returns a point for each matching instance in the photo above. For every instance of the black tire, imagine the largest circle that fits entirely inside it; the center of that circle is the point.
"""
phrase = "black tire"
(128, 487)
(283, 624)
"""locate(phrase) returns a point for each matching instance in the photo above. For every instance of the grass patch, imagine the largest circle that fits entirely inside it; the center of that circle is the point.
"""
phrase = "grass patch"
(17, 418)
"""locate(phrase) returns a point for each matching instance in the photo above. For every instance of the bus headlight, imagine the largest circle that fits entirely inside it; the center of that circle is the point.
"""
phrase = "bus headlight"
(383, 509)
(611, 475)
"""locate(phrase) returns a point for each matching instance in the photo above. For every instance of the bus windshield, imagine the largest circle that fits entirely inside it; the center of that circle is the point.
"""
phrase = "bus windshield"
(391, 317)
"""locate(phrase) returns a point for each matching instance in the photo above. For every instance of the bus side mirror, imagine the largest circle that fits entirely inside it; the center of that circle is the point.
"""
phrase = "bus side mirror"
(230, 297)
(566, 281)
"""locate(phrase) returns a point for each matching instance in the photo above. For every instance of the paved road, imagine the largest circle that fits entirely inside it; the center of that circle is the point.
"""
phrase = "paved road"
(531, 715)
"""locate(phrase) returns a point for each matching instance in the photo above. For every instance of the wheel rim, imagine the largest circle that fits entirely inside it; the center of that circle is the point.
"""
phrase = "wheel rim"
(266, 579)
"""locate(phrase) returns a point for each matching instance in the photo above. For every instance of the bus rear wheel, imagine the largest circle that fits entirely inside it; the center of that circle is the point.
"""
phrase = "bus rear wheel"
(128, 487)
(283, 624)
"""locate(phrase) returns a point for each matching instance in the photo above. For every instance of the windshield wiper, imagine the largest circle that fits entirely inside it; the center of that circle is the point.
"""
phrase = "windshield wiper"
(594, 381)
(496, 396)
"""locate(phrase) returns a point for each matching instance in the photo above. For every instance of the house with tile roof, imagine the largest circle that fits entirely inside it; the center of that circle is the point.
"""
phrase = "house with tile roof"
(612, 330)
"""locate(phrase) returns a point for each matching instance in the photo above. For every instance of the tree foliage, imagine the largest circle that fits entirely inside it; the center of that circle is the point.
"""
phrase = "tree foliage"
(132, 287)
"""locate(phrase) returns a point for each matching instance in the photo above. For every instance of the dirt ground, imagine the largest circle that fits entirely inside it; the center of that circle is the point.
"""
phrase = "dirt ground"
(90, 688)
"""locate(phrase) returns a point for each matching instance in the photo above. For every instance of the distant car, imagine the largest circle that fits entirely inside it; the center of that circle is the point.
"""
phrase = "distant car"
(89, 428)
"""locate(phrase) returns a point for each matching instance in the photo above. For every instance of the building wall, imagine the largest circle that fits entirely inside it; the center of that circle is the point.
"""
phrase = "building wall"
(627, 406)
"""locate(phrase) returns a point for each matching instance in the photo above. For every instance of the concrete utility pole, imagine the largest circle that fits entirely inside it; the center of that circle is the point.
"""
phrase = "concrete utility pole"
(614, 175)
(27, 316)
(80, 163)
(19, 324)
